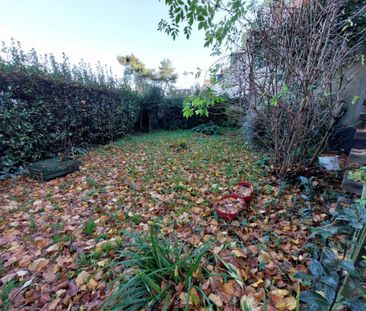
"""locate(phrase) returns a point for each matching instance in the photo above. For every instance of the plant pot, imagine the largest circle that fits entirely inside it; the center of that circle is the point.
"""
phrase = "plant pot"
(229, 215)
(245, 184)
(329, 163)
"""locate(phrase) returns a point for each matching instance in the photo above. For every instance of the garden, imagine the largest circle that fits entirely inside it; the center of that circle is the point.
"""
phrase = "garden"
(126, 195)
(64, 242)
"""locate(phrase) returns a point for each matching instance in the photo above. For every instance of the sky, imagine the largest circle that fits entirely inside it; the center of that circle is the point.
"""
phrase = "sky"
(101, 30)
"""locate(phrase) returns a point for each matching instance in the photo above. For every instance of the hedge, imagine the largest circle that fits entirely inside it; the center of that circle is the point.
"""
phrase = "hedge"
(41, 116)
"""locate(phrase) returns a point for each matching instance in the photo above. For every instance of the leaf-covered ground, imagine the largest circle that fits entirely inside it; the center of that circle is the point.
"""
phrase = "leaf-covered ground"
(59, 239)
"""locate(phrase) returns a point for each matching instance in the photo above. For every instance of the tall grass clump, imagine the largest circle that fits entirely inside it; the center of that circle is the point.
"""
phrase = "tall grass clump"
(155, 267)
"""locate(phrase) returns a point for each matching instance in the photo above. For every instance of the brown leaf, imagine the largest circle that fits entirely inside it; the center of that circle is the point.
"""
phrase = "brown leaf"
(216, 300)
(290, 303)
(229, 289)
(40, 242)
(39, 264)
(92, 284)
(82, 278)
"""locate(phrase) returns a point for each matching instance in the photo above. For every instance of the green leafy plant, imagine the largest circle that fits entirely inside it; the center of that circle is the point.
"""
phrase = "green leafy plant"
(199, 104)
(334, 280)
(150, 261)
(7, 287)
(208, 129)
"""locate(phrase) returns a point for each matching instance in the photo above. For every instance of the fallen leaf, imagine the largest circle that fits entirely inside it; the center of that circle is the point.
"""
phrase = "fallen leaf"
(82, 278)
(249, 302)
(256, 284)
(290, 303)
(216, 300)
(39, 264)
(228, 289)
(92, 284)
(40, 242)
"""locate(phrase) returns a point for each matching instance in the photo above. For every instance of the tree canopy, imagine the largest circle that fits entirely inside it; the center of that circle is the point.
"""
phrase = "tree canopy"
(221, 20)
(225, 21)
(143, 76)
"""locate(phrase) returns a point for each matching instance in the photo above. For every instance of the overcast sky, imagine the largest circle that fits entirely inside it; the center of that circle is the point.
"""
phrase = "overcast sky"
(101, 30)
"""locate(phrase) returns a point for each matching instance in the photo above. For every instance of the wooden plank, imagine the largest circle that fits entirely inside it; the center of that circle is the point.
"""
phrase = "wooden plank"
(356, 158)
(363, 116)
(343, 202)
(52, 168)
(359, 143)
(58, 174)
(352, 186)
(360, 134)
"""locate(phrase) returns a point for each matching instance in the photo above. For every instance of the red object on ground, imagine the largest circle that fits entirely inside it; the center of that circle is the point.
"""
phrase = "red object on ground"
(229, 215)
(246, 184)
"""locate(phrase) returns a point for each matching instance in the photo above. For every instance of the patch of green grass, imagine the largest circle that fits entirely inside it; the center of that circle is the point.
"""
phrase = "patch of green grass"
(87, 260)
(61, 238)
(59, 226)
(1, 268)
(49, 196)
(101, 237)
(32, 224)
(136, 219)
(180, 187)
(106, 248)
(8, 286)
(90, 227)
(57, 208)
(92, 182)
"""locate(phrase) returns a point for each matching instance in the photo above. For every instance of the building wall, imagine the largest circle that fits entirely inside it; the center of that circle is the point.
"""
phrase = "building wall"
(357, 87)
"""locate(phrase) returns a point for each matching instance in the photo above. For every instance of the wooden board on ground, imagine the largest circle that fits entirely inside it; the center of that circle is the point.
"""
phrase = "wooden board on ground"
(350, 185)
(52, 168)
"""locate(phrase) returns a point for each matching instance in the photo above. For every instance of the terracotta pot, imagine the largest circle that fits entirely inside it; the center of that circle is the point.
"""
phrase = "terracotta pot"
(229, 215)
(245, 184)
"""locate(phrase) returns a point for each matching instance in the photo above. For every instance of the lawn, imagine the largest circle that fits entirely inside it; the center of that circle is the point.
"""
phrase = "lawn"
(60, 240)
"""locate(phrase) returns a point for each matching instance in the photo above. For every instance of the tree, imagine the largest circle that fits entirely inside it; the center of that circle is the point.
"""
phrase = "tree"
(166, 75)
(226, 21)
(143, 77)
(222, 21)
(136, 71)
(295, 63)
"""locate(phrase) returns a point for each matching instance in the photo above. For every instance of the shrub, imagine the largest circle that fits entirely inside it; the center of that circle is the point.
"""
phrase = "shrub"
(208, 129)
(47, 108)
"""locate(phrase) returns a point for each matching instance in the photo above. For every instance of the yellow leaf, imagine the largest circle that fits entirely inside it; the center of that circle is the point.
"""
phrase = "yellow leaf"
(290, 303)
(216, 300)
(238, 253)
(256, 284)
(280, 292)
(102, 263)
(266, 257)
(281, 305)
